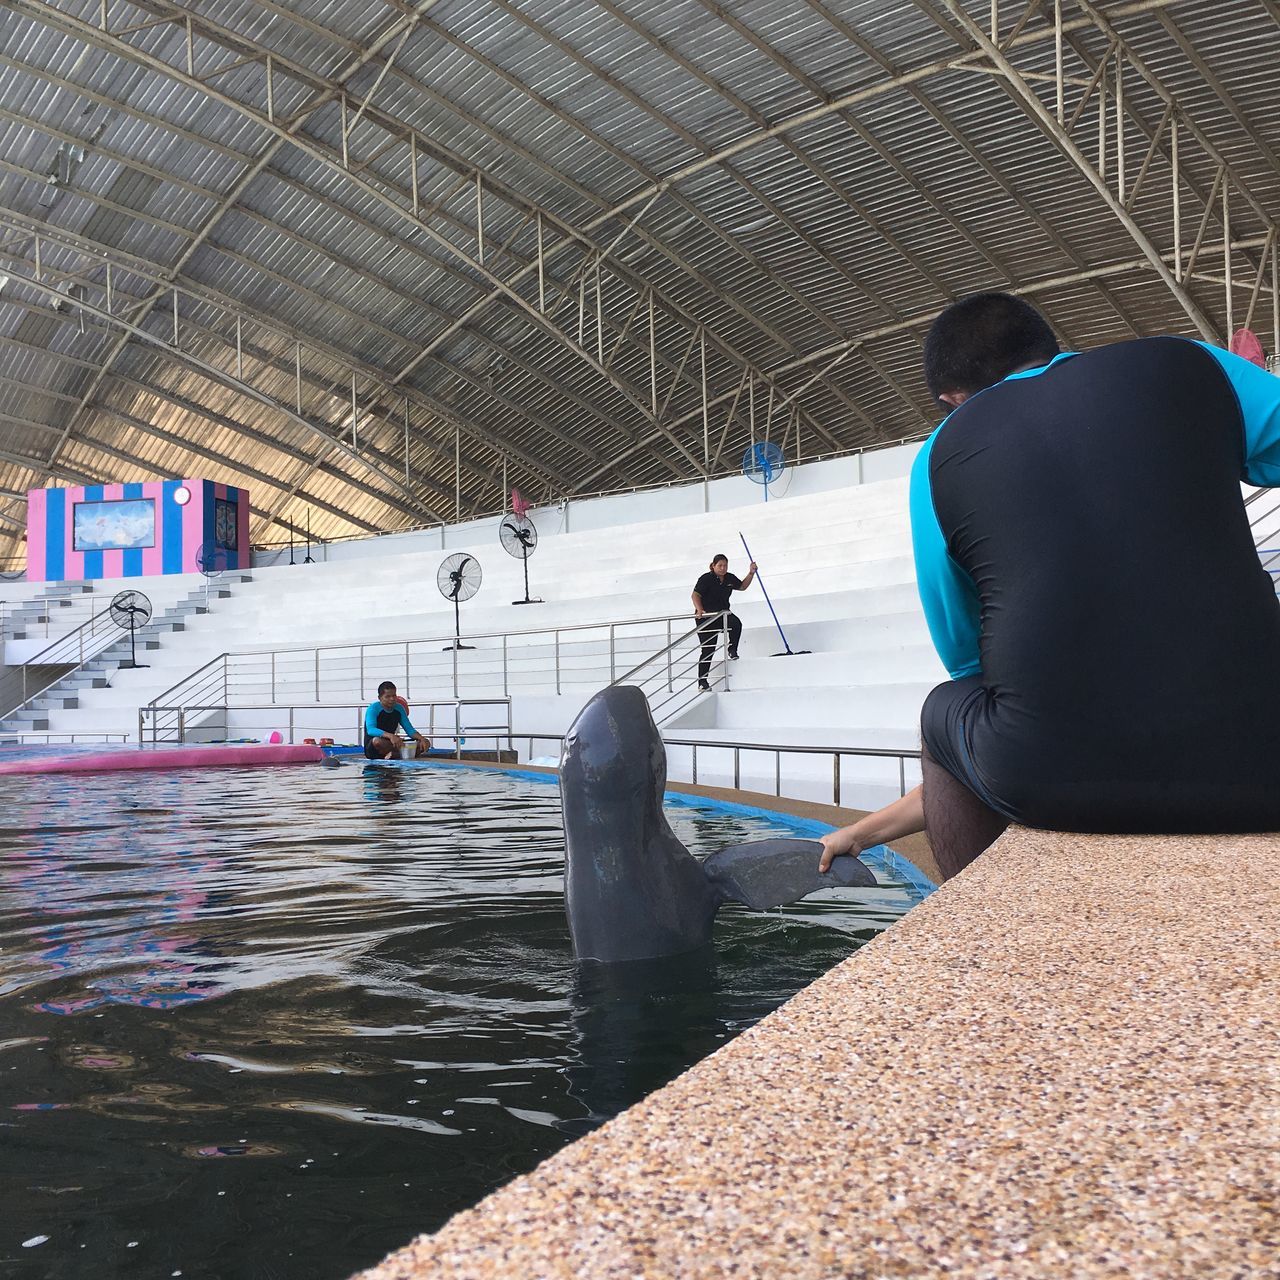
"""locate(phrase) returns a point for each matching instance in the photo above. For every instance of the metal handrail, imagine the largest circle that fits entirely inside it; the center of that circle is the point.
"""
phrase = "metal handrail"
(180, 715)
(53, 735)
(10, 608)
(387, 649)
(52, 656)
(680, 687)
(1266, 555)
(901, 754)
(51, 653)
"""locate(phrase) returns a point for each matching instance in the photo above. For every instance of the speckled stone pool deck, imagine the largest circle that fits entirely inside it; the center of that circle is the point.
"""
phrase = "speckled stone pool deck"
(1064, 1063)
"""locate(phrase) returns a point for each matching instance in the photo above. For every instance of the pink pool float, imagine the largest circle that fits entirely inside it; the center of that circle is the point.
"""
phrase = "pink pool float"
(206, 757)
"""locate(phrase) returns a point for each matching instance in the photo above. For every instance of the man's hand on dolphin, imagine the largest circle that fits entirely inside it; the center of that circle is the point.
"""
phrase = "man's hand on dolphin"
(835, 843)
(903, 817)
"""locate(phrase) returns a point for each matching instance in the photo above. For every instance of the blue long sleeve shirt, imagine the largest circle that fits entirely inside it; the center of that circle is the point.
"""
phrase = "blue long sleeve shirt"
(371, 720)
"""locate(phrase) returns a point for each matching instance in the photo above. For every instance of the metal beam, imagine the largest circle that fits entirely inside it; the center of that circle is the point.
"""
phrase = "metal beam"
(919, 94)
(331, 159)
(472, 430)
(1062, 140)
(223, 379)
(205, 295)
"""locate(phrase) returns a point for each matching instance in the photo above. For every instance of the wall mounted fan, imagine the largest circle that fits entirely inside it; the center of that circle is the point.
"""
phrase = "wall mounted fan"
(764, 463)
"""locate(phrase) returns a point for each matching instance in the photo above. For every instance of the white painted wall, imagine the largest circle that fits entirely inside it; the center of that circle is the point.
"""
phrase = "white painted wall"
(611, 511)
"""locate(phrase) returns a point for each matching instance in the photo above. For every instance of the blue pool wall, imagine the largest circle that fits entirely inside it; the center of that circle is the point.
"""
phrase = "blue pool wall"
(880, 856)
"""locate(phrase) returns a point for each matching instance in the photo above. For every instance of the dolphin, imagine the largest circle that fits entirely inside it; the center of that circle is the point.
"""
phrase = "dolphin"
(632, 891)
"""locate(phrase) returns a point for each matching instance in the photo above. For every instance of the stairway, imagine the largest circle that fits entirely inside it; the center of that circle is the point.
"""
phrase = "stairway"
(24, 621)
(97, 671)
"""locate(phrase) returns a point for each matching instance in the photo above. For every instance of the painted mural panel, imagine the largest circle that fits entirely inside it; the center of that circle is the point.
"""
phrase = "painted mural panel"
(135, 530)
(106, 526)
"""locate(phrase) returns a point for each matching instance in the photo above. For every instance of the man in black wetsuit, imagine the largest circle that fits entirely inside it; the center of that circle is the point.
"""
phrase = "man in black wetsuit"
(711, 596)
(1090, 582)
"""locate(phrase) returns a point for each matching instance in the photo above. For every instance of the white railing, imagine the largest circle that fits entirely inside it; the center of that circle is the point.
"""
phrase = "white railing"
(448, 720)
(23, 685)
(542, 660)
(53, 738)
(726, 761)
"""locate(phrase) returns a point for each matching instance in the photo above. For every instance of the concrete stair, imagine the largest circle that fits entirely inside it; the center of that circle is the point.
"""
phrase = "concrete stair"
(38, 714)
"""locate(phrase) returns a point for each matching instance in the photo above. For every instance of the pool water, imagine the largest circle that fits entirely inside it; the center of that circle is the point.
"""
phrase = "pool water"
(276, 1022)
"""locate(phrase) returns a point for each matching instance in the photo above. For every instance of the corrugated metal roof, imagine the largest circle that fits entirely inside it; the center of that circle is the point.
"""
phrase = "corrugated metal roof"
(801, 184)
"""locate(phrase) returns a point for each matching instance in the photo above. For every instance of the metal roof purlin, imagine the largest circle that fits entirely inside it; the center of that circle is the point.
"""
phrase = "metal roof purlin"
(572, 235)
(45, 13)
(1055, 131)
(217, 375)
(107, 254)
(439, 408)
(210, 222)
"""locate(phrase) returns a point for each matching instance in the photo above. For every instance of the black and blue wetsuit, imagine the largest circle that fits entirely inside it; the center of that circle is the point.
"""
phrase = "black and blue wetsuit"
(1090, 581)
(379, 721)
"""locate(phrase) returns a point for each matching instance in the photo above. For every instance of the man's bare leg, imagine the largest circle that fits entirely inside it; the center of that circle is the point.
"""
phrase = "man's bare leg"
(959, 825)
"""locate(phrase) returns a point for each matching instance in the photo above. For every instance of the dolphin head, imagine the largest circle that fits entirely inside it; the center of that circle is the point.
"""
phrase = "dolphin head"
(632, 890)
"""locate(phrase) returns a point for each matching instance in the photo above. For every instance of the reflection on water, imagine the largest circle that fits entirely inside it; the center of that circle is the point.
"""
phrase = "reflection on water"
(273, 1023)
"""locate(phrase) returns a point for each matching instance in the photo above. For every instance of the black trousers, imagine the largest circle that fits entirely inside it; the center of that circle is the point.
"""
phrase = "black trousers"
(709, 632)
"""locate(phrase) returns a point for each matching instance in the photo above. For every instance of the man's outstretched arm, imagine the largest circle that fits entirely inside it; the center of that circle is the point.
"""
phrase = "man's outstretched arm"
(903, 817)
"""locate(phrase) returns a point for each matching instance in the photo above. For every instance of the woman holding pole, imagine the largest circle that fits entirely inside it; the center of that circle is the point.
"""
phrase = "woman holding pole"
(711, 597)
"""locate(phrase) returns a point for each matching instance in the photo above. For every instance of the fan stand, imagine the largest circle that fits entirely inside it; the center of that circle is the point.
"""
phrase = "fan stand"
(309, 560)
(457, 627)
(528, 599)
(133, 664)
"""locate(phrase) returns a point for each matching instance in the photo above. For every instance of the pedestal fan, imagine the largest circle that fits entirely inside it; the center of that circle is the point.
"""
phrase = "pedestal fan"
(130, 610)
(519, 538)
(211, 560)
(459, 579)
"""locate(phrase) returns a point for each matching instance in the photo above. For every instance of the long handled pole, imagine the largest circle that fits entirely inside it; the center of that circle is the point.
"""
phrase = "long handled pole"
(790, 653)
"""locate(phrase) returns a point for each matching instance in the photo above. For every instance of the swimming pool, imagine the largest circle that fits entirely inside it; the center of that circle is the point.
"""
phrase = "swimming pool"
(276, 1022)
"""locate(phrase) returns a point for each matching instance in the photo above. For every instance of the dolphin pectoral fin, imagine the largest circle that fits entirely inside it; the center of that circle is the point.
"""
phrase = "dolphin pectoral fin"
(770, 873)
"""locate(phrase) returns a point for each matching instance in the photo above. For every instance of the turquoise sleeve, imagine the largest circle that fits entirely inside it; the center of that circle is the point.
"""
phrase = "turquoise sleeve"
(1258, 393)
(370, 719)
(947, 593)
(404, 721)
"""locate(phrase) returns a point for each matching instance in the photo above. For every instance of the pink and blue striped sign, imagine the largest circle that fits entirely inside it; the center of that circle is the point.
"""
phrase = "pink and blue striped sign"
(134, 530)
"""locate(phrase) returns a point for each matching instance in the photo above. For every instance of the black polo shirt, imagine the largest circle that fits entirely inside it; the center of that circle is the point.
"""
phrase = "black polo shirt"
(1128, 637)
(714, 592)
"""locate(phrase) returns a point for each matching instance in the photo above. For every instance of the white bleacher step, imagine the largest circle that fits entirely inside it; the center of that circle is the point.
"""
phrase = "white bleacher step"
(828, 668)
(880, 703)
(879, 737)
(837, 563)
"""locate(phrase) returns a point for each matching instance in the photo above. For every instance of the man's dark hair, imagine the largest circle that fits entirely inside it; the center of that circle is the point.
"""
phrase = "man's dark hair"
(983, 338)
(385, 685)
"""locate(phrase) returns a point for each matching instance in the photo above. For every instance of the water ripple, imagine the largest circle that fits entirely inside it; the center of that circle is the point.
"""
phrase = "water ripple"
(201, 973)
